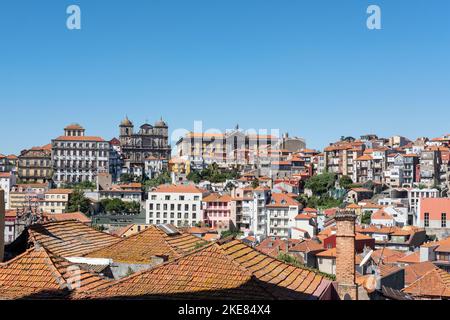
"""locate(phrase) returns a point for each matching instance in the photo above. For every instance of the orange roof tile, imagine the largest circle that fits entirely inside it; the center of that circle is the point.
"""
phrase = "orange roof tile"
(410, 258)
(282, 200)
(69, 238)
(78, 216)
(415, 271)
(215, 197)
(381, 215)
(59, 191)
(364, 158)
(230, 270)
(433, 284)
(82, 138)
(307, 246)
(141, 247)
(39, 274)
(166, 188)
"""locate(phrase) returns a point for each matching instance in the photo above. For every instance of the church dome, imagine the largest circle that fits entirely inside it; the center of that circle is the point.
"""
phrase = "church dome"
(160, 123)
(126, 122)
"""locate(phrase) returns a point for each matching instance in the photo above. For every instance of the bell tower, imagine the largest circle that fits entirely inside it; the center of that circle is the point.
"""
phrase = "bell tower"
(126, 128)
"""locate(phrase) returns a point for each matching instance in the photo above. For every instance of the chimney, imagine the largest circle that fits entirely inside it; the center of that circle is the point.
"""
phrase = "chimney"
(2, 224)
(345, 255)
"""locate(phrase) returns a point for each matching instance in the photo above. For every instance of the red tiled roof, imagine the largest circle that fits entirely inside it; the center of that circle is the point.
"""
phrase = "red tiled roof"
(415, 271)
(433, 284)
(282, 200)
(307, 246)
(39, 274)
(178, 189)
(141, 247)
(69, 238)
(59, 191)
(215, 197)
(227, 271)
(77, 216)
(410, 258)
(381, 215)
(81, 138)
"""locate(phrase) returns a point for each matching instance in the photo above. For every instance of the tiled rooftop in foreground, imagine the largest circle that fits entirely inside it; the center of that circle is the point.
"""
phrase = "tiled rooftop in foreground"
(69, 238)
(222, 270)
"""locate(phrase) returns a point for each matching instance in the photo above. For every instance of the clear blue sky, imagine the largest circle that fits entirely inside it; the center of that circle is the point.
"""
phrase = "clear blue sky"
(311, 68)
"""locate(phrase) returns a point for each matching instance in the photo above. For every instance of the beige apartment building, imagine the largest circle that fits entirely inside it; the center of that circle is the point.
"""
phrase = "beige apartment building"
(56, 200)
(26, 195)
(339, 157)
(35, 165)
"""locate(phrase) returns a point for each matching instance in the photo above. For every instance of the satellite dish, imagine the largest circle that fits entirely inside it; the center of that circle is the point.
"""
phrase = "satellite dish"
(366, 258)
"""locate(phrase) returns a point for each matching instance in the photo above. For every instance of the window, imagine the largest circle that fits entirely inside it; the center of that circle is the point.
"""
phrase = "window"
(167, 197)
(181, 198)
(194, 207)
(443, 220)
(186, 207)
(150, 206)
(196, 198)
(426, 219)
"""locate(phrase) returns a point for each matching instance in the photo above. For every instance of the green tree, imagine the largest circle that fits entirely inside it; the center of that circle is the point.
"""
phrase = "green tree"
(78, 202)
(113, 205)
(345, 182)
(127, 178)
(285, 257)
(132, 207)
(255, 184)
(162, 178)
(231, 233)
(194, 176)
(366, 217)
(321, 183)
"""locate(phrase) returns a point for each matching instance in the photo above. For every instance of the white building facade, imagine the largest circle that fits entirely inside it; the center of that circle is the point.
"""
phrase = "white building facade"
(179, 205)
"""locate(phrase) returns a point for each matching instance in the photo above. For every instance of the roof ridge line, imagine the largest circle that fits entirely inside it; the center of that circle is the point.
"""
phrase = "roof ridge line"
(115, 282)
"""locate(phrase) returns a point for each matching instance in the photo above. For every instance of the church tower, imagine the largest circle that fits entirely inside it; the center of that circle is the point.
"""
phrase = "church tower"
(126, 128)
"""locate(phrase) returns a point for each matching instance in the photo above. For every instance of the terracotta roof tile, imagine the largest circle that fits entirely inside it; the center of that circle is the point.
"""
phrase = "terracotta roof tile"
(80, 138)
(167, 188)
(433, 284)
(141, 247)
(415, 271)
(77, 216)
(69, 238)
(411, 258)
(39, 274)
(230, 270)
(282, 200)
